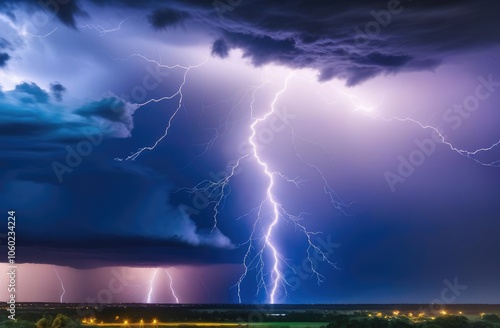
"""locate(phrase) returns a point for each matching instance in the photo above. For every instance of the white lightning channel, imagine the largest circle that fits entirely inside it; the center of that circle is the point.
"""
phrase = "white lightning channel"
(358, 104)
(260, 244)
(276, 274)
(463, 152)
(171, 284)
(178, 93)
(151, 286)
(103, 31)
(62, 285)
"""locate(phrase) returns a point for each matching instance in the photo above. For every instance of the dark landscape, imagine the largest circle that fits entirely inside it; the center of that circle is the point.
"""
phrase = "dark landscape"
(44, 315)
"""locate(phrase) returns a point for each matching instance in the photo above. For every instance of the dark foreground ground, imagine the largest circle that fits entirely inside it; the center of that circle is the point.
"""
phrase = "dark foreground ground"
(50, 315)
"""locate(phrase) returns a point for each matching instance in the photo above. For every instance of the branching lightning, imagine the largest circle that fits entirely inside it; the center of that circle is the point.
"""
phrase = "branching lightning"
(103, 31)
(276, 275)
(463, 152)
(359, 105)
(62, 285)
(178, 93)
(335, 199)
(261, 246)
(278, 212)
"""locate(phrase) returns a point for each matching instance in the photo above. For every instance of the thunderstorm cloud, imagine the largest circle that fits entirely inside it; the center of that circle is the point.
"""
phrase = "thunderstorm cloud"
(28, 107)
(4, 57)
(354, 41)
(166, 18)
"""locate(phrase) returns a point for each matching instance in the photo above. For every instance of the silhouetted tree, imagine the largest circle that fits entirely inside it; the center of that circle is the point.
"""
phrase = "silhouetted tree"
(379, 323)
(339, 321)
(481, 324)
(452, 321)
(60, 321)
(42, 323)
(400, 323)
(491, 317)
(430, 324)
(356, 323)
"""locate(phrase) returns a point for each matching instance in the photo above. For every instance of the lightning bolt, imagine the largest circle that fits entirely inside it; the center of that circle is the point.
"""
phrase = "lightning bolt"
(278, 212)
(171, 284)
(463, 152)
(178, 93)
(26, 33)
(62, 285)
(103, 31)
(276, 274)
(260, 245)
(359, 105)
(151, 286)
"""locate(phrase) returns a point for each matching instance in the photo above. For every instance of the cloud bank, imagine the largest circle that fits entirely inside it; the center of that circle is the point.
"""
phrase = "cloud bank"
(353, 41)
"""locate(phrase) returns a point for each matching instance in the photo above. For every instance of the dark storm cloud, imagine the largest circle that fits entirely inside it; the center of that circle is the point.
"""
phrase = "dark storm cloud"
(358, 40)
(354, 41)
(26, 128)
(31, 93)
(28, 111)
(57, 90)
(133, 253)
(165, 18)
(4, 58)
(66, 11)
(220, 48)
(122, 250)
(377, 59)
(123, 217)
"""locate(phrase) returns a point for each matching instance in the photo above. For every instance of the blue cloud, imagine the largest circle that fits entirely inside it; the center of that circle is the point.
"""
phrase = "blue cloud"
(4, 58)
(57, 90)
(31, 122)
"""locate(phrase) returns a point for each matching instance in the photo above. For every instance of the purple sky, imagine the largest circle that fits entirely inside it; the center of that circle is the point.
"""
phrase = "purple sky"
(383, 142)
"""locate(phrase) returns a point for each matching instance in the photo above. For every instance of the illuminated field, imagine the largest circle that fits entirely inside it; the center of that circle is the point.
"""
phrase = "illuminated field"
(211, 324)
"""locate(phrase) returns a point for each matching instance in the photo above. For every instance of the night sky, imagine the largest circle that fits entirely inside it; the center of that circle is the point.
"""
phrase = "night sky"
(251, 151)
